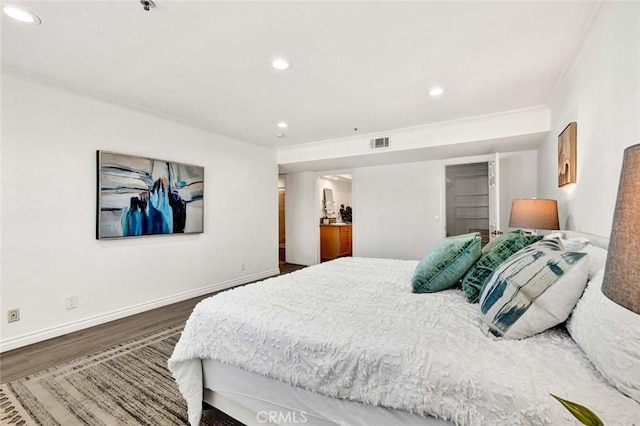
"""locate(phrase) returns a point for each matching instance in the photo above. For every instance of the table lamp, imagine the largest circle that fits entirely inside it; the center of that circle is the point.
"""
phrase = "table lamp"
(622, 272)
(534, 213)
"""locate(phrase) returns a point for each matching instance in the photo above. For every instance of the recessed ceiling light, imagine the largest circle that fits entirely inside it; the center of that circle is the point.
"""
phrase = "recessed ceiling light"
(21, 15)
(280, 135)
(436, 91)
(281, 64)
(283, 125)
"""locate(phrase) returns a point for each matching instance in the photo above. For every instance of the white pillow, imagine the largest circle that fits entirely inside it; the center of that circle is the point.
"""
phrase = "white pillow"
(555, 235)
(597, 259)
(610, 337)
(575, 243)
(597, 255)
(571, 243)
(533, 290)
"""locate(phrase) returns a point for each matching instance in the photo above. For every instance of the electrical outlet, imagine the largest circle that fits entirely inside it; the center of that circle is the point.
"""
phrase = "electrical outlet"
(243, 266)
(13, 315)
(71, 302)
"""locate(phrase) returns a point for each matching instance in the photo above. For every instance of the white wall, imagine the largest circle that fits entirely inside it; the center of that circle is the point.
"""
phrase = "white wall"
(396, 209)
(601, 93)
(302, 223)
(399, 207)
(518, 179)
(49, 250)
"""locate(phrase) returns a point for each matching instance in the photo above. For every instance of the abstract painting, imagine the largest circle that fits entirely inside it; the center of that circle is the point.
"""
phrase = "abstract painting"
(567, 155)
(145, 196)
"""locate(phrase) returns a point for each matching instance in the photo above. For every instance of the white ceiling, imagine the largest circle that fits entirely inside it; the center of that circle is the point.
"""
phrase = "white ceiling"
(368, 65)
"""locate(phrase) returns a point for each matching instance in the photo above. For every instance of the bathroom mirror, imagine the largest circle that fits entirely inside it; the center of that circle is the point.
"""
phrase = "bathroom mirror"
(328, 202)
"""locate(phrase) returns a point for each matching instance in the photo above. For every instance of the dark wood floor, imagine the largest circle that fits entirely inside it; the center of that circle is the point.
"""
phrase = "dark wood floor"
(23, 361)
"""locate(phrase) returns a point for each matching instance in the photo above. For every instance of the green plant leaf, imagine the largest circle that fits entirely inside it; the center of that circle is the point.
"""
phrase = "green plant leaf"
(580, 412)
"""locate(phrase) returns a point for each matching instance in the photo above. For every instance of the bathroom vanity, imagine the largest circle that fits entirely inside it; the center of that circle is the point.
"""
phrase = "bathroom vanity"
(335, 241)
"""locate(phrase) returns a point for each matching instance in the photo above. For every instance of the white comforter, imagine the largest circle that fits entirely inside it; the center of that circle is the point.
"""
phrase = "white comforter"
(352, 329)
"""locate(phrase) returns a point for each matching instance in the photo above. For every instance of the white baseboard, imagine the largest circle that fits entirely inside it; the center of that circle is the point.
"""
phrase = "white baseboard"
(59, 330)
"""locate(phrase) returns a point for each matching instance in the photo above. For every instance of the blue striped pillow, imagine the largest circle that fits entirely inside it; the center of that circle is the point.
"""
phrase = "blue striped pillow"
(533, 290)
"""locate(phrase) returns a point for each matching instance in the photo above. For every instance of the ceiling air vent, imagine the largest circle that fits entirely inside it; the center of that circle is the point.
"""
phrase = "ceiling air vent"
(379, 143)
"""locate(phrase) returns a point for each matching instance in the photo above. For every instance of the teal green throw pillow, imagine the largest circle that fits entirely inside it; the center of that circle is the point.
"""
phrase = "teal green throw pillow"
(493, 254)
(446, 263)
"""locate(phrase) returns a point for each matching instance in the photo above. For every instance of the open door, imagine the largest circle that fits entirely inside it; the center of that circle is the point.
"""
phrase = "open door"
(472, 196)
(494, 197)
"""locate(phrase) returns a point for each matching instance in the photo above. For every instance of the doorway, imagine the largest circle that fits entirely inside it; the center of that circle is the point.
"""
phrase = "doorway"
(335, 215)
(467, 199)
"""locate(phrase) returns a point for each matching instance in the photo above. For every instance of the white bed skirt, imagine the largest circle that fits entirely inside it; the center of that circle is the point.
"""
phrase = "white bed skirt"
(269, 401)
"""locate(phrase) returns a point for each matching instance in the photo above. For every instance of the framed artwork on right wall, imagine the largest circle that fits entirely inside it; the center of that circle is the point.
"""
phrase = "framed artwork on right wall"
(567, 154)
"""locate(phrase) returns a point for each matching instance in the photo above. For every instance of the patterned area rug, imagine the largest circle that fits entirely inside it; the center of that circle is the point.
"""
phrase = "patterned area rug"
(128, 384)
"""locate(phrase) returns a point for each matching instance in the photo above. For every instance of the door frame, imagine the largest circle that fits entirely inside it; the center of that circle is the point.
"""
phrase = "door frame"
(318, 175)
(487, 158)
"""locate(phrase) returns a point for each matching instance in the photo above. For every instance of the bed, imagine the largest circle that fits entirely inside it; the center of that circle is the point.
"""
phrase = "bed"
(346, 342)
